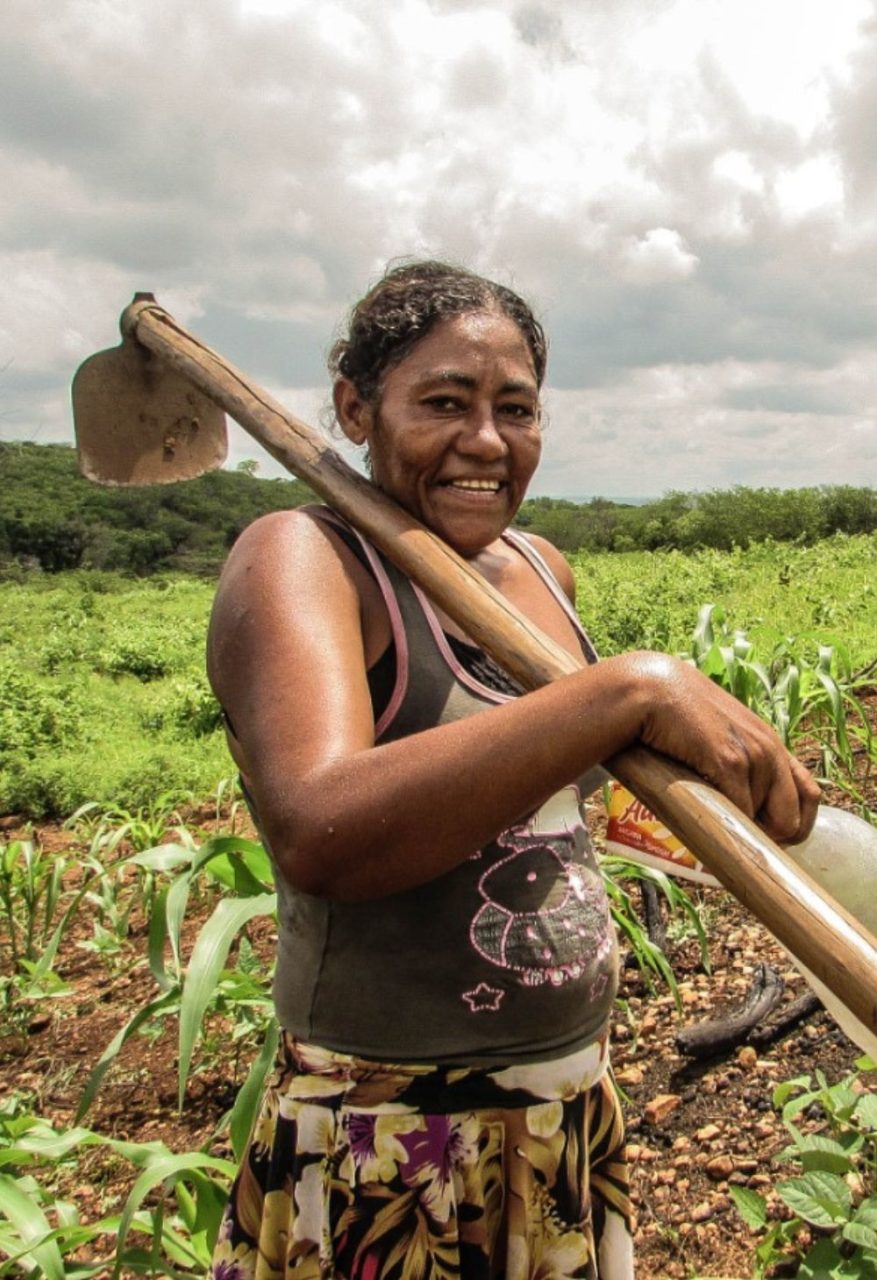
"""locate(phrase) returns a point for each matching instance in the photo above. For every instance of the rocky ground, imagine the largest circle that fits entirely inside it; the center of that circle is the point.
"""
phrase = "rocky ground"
(695, 1129)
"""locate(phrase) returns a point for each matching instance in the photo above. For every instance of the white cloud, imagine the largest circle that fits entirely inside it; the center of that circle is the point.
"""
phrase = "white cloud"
(661, 254)
(814, 185)
(682, 188)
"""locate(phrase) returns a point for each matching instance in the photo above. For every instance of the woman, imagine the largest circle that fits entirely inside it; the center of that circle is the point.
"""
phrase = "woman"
(446, 964)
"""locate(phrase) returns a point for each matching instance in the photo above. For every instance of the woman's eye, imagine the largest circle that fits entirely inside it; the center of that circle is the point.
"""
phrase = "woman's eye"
(524, 413)
(443, 404)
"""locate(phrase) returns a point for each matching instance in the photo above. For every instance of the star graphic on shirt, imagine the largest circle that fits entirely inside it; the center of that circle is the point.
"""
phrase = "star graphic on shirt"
(483, 999)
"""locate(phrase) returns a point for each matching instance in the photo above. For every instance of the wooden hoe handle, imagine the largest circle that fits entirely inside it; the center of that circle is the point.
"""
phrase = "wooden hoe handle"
(807, 920)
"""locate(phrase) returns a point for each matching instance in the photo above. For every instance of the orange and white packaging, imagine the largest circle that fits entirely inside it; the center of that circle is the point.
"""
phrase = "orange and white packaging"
(634, 832)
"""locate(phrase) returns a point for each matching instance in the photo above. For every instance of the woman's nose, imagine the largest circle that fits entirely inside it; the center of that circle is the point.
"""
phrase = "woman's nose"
(481, 436)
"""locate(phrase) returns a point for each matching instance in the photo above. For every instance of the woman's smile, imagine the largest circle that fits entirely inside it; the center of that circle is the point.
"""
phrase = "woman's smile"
(475, 486)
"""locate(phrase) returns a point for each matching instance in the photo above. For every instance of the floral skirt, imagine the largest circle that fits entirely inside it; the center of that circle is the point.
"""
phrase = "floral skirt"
(373, 1171)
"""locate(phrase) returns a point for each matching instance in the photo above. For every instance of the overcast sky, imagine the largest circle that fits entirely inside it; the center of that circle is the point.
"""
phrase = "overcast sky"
(685, 189)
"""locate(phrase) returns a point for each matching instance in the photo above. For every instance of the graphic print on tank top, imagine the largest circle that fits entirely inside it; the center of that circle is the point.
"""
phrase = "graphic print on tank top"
(544, 916)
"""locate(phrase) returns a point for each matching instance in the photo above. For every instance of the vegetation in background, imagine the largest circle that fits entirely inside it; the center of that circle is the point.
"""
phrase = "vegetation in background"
(772, 591)
(52, 519)
(721, 519)
(103, 695)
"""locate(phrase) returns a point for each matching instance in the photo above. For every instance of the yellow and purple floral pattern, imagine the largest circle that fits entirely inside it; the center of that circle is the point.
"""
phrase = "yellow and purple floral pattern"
(364, 1170)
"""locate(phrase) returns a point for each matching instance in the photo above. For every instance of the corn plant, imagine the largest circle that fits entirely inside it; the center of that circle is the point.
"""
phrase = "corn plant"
(804, 688)
(617, 873)
(31, 886)
(142, 828)
(186, 991)
(43, 1236)
(228, 801)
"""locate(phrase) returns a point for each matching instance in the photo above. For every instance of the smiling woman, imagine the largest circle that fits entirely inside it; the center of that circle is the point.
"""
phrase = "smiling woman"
(446, 962)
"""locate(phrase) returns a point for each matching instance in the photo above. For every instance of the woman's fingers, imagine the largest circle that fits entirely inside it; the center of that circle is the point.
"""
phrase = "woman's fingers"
(693, 720)
(779, 792)
(809, 796)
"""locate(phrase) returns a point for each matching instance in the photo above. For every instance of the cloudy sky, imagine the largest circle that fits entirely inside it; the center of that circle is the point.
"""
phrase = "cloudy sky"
(685, 189)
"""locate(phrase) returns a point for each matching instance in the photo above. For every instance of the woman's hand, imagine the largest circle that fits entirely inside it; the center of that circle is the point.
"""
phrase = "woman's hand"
(695, 722)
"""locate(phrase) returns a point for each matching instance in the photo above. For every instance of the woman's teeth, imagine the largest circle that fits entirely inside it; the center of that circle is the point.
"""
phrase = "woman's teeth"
(489, 486)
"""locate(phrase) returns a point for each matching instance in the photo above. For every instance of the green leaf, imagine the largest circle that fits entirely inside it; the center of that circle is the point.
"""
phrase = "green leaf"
(837, 712)
(816, 1152)
(866, 1111)
(168, 1171)
(42, 1142)
(249, 853)
(33, 1228)
(243, 1114)
(165, 857)
(205, 966)
(751, 1207)
(158, 935)
(859, 1234)
(175, 911)
(822, 1199)
(232, 872)
(784, 1091)
(824, 1262)
(866, 1213)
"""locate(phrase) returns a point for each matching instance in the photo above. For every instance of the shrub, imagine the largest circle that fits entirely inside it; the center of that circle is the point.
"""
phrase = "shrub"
(34, 715)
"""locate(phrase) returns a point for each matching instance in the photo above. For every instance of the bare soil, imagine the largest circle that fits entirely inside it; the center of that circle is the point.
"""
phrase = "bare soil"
(694, 1129)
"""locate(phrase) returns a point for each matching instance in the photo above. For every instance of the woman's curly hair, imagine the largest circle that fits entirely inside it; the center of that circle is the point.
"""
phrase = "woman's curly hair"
(402, 308)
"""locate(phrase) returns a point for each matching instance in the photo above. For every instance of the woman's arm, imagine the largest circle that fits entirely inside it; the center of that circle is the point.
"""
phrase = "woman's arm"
(350, 820)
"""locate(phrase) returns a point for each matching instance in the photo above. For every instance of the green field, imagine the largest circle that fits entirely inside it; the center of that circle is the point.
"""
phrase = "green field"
(103, 695)
(826, 592)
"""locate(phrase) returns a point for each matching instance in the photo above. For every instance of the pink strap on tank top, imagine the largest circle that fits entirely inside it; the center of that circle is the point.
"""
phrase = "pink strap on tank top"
(540, 564)
(400, 639)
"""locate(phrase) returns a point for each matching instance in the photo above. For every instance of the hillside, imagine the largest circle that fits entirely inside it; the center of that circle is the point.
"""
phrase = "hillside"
(53, 519)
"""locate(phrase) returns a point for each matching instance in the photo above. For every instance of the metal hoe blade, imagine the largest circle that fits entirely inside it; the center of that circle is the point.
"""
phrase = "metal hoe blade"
(138, 422)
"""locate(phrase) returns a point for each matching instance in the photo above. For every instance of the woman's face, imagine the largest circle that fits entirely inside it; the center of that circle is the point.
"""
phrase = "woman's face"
(455, 436)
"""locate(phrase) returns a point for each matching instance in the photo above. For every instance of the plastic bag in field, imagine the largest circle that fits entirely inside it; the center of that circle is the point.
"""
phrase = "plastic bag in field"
(634, 832)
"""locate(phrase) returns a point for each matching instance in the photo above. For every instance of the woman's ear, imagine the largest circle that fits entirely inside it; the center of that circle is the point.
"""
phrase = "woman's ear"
(352, 412)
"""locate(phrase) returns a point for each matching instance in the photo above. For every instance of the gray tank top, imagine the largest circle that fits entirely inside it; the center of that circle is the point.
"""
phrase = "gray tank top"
(510, 957)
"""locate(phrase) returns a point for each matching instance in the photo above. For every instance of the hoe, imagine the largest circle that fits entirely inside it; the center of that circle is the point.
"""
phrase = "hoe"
(152, 411)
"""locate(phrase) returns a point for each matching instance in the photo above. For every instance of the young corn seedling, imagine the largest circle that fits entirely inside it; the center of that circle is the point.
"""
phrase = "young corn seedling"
(167, 1226)
(804, 688)
(189, 990)
(618, 873)
(31, 891)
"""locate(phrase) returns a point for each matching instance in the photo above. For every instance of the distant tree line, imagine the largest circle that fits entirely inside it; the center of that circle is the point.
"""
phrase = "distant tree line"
(52, 519)
(722, 519)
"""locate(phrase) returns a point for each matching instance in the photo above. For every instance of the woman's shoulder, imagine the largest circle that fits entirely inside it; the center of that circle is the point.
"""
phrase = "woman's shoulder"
(281, 556)
(287, 580)
(304, 537)
(290, 524)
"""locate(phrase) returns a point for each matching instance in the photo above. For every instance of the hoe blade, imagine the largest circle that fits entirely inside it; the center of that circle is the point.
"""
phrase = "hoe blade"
(139, 422)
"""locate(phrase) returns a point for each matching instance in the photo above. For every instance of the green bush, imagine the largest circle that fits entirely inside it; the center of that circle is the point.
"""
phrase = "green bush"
(34, 715)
